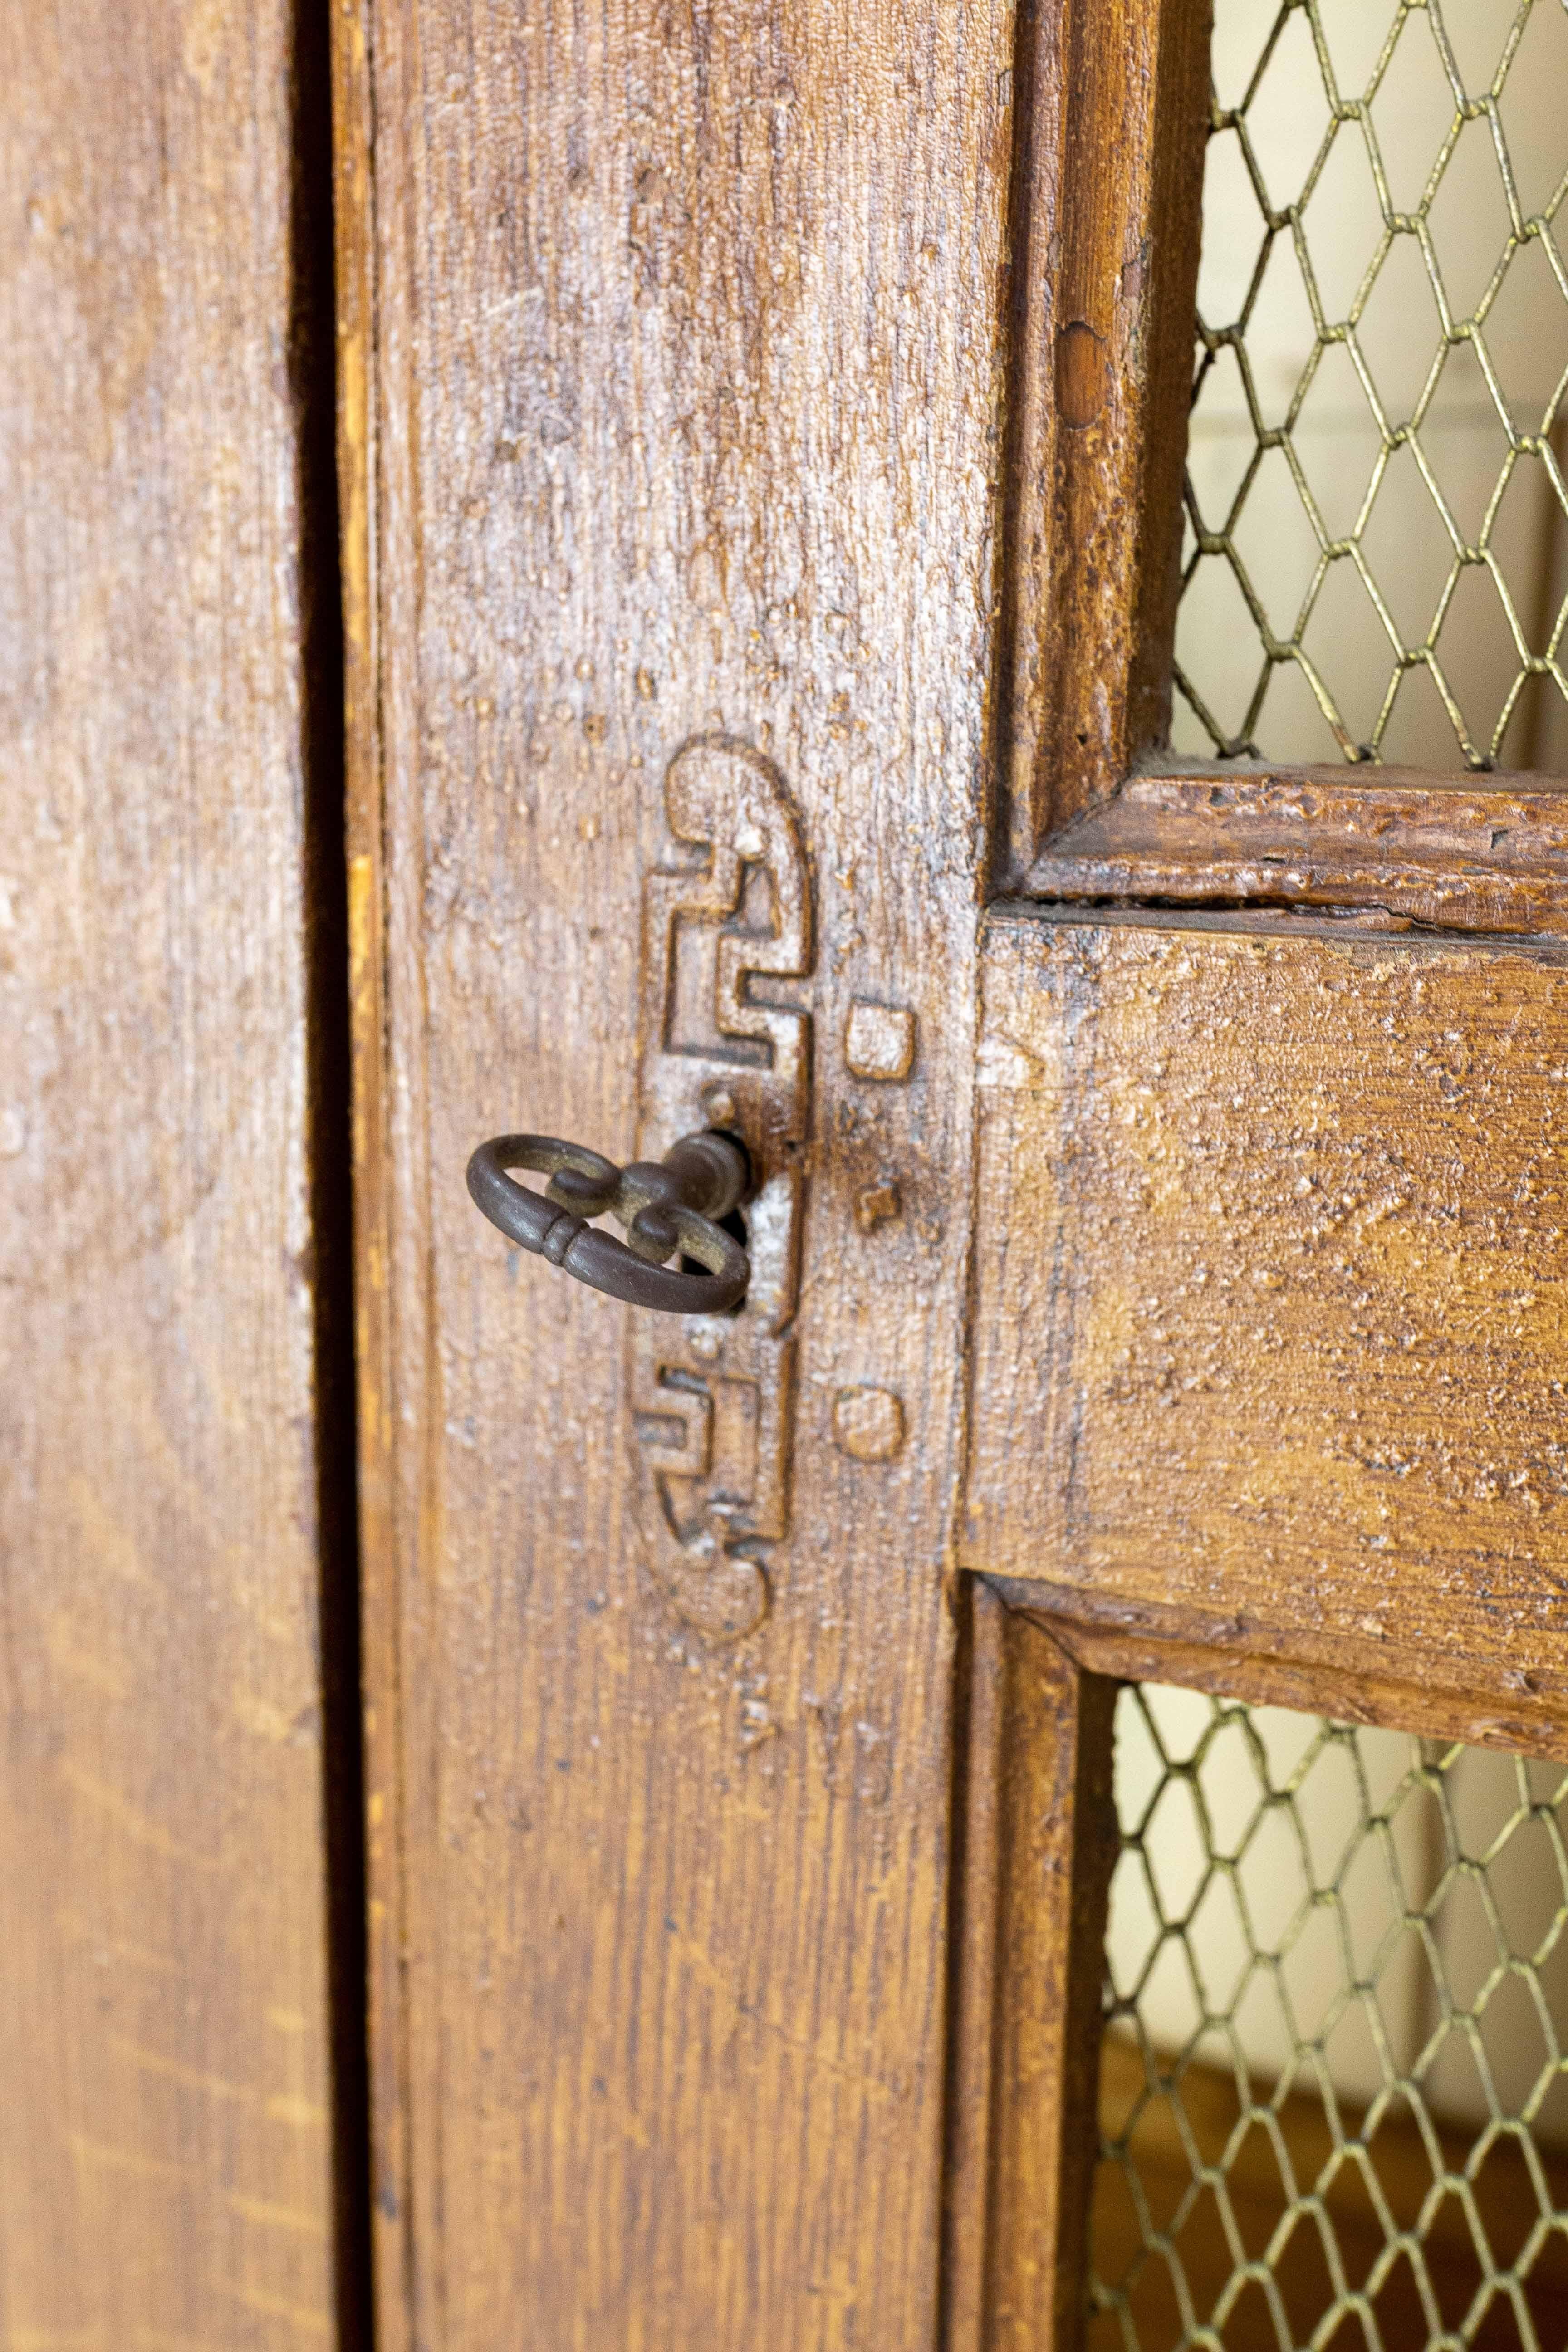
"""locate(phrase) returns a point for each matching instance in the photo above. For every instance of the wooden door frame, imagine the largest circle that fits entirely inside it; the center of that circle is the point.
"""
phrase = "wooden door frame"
(1090, 814)
(1113, 100)
(1089, 808)
(1037, 1844)
(1110, 104)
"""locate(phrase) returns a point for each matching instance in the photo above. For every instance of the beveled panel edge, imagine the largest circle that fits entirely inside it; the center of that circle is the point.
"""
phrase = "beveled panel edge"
(1112, 111)
(1449, 853)
(1315, 1674)
(1035, 1849)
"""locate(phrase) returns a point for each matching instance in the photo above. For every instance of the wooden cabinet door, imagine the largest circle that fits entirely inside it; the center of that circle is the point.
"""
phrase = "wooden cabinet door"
(762, 442)
(176, 1512)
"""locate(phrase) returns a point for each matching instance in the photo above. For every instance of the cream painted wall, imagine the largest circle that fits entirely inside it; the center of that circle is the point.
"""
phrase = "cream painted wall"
(1407, 544)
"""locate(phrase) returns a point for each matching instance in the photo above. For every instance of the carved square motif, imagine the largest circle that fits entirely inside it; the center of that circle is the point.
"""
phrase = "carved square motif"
(867, 1425)
(879, 1040)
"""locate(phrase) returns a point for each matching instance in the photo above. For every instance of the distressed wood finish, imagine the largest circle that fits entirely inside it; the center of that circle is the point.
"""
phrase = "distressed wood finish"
(166, 2173)
(1451, 852)
(684, 396)
(684, 355)
(1103, 247)
(1039, 1844)
(1155, 1643)
(1271, 1279)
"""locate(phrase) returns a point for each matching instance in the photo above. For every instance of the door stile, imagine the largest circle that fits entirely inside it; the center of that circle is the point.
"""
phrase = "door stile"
(660, 1880)
(1039, 1844)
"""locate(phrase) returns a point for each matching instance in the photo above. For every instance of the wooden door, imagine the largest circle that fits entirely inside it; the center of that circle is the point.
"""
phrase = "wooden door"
(177, 1780)
(762, 449)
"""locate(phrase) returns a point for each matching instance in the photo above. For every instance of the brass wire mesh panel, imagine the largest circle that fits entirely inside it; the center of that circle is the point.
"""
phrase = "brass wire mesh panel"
(1334, 2084)
(1376, 551)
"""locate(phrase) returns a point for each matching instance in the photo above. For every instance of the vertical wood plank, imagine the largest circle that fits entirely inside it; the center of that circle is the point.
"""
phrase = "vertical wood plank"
(1039, 1846)
(1103, 277)
(978, 1815)
(684, 351)
(165, 2153)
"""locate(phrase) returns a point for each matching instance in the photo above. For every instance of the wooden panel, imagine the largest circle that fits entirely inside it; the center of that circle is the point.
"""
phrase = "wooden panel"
(165, 2175)
(1038, 1845)
(684, 413)
(1455, 853)
(1270, 1294)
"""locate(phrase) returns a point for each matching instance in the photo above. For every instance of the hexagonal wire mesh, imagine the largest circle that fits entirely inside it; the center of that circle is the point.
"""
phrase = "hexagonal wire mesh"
(1376, 546)
(1335, 2083)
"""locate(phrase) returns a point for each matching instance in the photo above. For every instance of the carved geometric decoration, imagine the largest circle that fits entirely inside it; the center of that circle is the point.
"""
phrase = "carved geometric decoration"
(869, 1424)
(713, 1396)
(879, 1040)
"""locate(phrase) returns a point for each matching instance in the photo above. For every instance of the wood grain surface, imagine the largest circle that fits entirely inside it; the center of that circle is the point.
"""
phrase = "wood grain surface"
(680, 334)
(1272, 1269)
(165, 2172)
(1103, 259)
(1172, 1643)
(692, 362)
(1451, 853)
